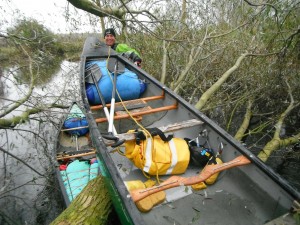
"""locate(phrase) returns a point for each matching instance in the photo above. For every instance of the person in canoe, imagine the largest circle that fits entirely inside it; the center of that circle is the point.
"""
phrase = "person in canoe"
(130, 53)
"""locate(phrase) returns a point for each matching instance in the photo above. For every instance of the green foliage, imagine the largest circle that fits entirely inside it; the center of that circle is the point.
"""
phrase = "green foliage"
(38, 37)
(46, 51)
(71, 45)
(29, 37)
(223, 31)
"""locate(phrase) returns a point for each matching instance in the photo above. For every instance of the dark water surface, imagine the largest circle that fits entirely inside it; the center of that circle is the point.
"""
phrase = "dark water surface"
(30, 196)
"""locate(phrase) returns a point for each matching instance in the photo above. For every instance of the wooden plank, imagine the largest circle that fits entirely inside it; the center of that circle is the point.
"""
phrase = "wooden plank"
(165, 129)
(147, 108)
(74, 128)
(129, 105)
(146, 99)
(150, 111)
(70, 156)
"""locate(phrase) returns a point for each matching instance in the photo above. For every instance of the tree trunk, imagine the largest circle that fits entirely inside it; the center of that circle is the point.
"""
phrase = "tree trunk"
(91, 206)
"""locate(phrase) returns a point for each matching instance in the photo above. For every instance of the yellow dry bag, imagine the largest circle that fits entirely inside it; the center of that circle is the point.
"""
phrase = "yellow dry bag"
(156, 155)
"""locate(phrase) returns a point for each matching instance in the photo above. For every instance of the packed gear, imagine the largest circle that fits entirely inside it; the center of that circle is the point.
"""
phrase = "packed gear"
(157, 154)
(150, 201)
(128, 85)
(76, 119)
(200, 154)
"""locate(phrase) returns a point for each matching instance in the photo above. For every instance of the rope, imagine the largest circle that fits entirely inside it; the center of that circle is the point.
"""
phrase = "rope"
(124, 106)
(144, 130)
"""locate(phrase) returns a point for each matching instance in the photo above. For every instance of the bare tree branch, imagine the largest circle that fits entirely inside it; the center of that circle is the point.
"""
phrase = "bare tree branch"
(245, 124)
(205, 97)
(26, 164)
(27, 96)
(276, 141)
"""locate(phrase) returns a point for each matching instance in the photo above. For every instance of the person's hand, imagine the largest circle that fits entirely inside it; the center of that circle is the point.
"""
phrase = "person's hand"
(138, 63)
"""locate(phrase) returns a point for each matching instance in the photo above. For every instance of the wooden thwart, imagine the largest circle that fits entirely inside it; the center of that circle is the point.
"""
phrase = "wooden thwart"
(129, 103)
(70, 156)
(142, 109)
(136, 107)
(139, 113)
(169, 128)
(74, 128)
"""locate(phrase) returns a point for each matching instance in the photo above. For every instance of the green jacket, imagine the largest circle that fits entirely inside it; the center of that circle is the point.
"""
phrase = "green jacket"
(127, 52)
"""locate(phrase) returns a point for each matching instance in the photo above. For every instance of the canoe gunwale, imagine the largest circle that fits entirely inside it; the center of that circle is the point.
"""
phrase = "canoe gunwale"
(62, 188)
(108, 168)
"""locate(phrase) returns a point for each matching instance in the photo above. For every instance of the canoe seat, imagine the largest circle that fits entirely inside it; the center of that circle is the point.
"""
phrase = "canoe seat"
(130, 105)
(137, 113)
(133, 106)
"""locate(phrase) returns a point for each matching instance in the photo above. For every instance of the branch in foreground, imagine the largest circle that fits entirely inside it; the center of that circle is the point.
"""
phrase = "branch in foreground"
(245, 124)
(6, 152)
(91, 206)
(276, 141)
(24, 117)
(27, 96)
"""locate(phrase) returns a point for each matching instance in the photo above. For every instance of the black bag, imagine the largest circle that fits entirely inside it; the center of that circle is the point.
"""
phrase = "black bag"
(199, 154)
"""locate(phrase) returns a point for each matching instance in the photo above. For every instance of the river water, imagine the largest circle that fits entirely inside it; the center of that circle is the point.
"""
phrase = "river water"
(30, 195)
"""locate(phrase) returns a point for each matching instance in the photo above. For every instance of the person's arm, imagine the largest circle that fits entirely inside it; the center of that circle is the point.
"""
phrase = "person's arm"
(130, 53)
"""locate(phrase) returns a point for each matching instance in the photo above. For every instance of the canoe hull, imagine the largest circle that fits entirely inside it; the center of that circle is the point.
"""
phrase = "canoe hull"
(251, 194)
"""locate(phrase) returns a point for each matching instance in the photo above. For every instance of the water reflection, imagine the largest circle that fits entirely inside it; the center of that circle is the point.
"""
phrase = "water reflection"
(47, 67)
(24, 194)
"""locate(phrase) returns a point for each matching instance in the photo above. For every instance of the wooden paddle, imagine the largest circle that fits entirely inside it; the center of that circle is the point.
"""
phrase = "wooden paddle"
(176, 181)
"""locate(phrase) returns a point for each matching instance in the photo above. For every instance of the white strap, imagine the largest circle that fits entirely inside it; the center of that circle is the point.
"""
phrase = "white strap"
(174, 156)
(148, 155)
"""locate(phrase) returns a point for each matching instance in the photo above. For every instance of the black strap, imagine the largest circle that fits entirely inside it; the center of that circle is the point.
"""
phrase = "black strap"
(212, 161)
(94, 69)
(111, 66)
(153, 132)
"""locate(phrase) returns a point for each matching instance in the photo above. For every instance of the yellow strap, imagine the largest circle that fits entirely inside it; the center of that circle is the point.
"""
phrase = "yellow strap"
(145, 131)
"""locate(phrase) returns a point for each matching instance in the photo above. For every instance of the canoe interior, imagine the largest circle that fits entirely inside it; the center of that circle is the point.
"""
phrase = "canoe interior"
(69, 149)
(250, 194)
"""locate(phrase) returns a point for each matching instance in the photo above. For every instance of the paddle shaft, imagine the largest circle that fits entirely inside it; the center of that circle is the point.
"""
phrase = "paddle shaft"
(176, 181)
(105, 109)
(113, 99)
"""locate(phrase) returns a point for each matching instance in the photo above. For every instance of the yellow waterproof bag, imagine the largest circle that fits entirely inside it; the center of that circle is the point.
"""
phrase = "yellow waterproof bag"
(158, 157)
